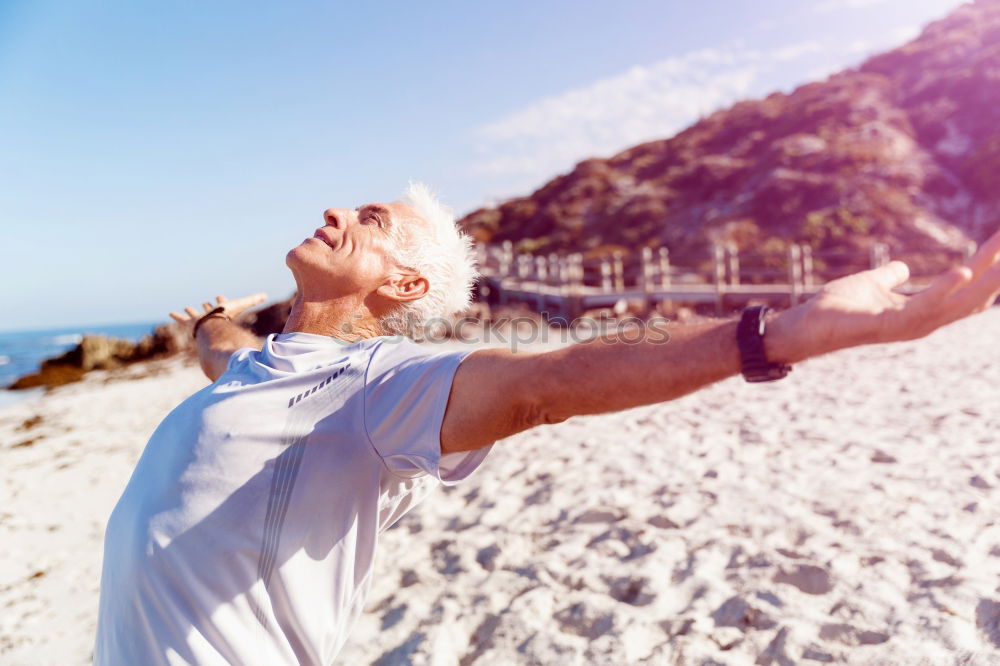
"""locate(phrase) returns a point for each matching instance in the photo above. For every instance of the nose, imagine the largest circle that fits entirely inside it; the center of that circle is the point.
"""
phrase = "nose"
(336, 217)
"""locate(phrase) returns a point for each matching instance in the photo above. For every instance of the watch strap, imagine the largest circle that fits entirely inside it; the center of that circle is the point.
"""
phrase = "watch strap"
(750, 331)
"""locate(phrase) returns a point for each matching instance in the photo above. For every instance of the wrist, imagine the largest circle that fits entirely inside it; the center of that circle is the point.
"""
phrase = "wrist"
(216, 313)
(784, 341)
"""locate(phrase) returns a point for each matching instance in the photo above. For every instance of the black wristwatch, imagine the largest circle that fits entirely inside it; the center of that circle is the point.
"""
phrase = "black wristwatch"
(750, 339)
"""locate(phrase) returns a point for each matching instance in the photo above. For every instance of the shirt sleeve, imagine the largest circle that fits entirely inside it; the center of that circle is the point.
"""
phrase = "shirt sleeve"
(406, 393)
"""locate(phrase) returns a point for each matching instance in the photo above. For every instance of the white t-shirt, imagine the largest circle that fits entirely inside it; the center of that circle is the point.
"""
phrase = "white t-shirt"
(247, 532)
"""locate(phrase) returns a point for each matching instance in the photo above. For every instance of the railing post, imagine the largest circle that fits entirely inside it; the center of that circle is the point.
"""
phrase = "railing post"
(733, 264)
(879, 255)
(523, 267)
(541, 275)
(506, 257)
(605, 275)
(503, 281)
(619, 271)
(807, 267)
(564, 276)
(541, 270)
(481, 257)
(553, 269)
(794, 273)
(576, 264)
(664, 257)
(575, 300)
(719, 275)
(646, 273)
(718, 265)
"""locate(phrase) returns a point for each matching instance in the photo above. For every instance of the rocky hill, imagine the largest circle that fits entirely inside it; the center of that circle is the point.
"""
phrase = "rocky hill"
(904, 149)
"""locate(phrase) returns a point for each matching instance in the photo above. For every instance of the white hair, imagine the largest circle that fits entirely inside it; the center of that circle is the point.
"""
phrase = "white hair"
(440, 253)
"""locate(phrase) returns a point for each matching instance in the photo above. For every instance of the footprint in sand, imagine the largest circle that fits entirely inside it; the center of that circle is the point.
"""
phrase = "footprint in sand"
(487, 557)
(806, 577)
(988, 620)
(848, 635)
(627, 544)
(584, 621)
(445, 559)
(740, 613)
(633, 591)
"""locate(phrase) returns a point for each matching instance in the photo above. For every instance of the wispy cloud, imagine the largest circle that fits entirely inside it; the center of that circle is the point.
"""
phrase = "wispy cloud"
(643, 103)
(903, 33)
(793, 51)
(833, 5)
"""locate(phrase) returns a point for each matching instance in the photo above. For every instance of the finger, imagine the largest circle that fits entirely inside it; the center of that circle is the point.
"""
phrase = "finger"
(981, 293)
(208, 306)
(945, 285)
(890, 276)
(220, 299)
(192, 312)
(250, 301)
(179, 318)
(990, 301)
(986, 256)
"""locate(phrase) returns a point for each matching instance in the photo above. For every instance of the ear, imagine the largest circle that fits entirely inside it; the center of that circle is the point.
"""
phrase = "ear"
(404, 287)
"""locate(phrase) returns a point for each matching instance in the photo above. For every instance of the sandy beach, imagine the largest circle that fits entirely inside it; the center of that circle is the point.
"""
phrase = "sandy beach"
(845, 515)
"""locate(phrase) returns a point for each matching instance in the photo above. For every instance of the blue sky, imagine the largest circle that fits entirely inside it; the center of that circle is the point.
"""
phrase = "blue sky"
(155, 154)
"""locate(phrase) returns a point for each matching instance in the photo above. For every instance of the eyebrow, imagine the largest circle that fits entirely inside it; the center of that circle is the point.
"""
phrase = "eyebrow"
(382, 211)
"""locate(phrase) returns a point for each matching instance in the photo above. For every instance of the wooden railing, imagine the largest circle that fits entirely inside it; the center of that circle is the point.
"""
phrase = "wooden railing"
(570, 284)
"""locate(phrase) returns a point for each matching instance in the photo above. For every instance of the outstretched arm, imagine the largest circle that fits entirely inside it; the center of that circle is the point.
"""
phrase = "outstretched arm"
(219, 337)
(497, 393)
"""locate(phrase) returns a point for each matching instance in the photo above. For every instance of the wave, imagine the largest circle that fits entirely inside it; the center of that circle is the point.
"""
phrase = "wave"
(67, 339)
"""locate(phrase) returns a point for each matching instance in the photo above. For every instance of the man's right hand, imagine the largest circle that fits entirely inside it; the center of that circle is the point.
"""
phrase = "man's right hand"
(233, 308)
(217, 343)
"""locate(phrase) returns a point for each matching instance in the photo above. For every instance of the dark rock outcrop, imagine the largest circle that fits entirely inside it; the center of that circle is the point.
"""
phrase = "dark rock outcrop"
(270, 319)
(99, 352)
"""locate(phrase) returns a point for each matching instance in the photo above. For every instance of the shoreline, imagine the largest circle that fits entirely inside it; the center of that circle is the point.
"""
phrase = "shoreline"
(10, 398)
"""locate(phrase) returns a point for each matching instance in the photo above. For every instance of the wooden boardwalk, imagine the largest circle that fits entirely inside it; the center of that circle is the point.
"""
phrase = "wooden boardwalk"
(568, 285)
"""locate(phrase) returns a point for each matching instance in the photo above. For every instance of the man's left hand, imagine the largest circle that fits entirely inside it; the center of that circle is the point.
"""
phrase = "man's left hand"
(863, 308)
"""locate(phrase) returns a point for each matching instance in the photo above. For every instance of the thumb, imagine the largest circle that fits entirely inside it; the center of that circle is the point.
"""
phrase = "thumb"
(257, 298)
(241, 304)
(890, 276)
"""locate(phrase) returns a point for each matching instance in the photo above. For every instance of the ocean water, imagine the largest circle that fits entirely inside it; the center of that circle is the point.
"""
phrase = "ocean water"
(22, 352)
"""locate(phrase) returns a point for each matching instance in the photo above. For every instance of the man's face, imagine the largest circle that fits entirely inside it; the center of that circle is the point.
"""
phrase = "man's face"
(352, 252)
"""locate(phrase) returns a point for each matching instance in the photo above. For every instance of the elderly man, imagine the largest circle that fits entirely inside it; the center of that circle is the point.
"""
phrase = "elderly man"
(248, 530)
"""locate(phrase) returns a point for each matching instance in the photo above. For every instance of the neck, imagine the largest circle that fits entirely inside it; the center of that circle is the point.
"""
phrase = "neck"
(344, 319)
